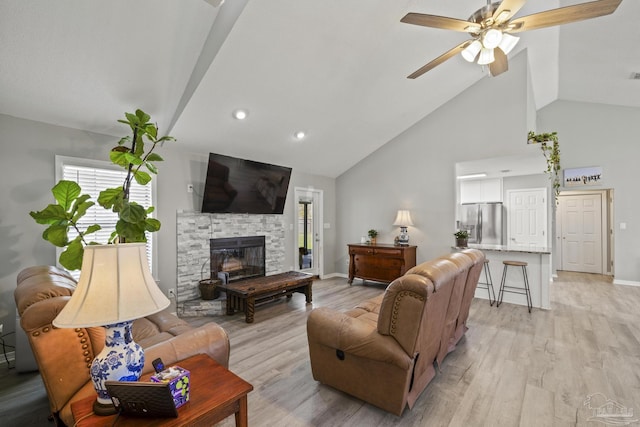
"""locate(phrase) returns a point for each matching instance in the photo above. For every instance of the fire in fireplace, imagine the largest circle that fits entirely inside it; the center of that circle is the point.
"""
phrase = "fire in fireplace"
(237, 258)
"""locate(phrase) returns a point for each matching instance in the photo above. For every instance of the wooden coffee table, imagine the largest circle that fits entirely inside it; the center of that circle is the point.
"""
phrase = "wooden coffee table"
(215, 393)
(244, 294)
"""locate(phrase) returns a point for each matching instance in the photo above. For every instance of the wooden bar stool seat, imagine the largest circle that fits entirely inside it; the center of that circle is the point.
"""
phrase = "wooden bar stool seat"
(515, 289)
(488, 283)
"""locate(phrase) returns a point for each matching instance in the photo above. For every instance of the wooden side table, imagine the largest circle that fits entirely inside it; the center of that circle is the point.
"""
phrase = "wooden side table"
(381, 262)
(215, 394)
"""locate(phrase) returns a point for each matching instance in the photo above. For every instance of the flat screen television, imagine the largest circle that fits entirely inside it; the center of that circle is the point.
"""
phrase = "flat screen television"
(236, 185)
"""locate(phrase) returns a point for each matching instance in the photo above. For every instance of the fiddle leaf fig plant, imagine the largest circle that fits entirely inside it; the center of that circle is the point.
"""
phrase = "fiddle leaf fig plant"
(551, 151)
(133, 153)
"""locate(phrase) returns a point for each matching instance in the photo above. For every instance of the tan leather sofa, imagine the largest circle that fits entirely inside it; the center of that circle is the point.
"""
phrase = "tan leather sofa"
(385, 350)
(64, 356)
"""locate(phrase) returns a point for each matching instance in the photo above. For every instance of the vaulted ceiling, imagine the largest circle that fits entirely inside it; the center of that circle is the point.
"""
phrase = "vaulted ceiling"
(334, 69)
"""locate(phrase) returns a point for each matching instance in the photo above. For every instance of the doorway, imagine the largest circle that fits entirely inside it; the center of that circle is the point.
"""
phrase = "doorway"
(308, 230)
(584, 231)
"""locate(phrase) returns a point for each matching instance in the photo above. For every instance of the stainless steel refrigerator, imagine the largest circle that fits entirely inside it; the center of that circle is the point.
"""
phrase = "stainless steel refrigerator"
(483, 221)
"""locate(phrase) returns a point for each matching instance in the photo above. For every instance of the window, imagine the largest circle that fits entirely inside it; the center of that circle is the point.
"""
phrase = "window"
(94, 176)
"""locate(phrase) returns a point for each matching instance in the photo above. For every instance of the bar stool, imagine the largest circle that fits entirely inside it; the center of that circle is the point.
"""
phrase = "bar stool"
(488, 283)
(514, 289)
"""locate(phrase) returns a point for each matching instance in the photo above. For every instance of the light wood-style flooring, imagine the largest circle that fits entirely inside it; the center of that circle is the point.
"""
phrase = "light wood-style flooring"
(511, 369)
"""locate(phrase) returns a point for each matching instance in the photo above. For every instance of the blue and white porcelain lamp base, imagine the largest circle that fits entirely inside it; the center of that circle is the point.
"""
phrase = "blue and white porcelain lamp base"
(403, 238)
(121, 359)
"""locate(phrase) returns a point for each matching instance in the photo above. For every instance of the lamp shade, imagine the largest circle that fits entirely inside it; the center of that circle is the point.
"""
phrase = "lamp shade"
(486, 56)
(403, 219)
(471, 51)
(492, 38)
(508, 43)
(115, 286)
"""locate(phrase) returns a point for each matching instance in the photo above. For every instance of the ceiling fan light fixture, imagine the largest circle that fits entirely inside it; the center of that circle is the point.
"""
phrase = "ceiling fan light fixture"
(508, 42)
(491, 38)
(486, 56)
(470, 52)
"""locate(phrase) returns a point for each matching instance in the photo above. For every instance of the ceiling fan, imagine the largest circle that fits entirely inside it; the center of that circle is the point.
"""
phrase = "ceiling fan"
(491, 26)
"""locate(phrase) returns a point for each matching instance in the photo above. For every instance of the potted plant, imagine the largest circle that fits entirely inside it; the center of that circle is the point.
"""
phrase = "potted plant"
(462, 237)
(372, 236)
(133, 219)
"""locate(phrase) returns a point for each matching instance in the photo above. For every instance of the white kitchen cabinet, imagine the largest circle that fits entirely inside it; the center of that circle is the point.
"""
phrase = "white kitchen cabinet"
(481, 190)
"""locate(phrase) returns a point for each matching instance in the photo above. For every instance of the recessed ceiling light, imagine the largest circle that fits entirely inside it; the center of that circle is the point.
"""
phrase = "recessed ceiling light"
(240, 114)
(299, 135)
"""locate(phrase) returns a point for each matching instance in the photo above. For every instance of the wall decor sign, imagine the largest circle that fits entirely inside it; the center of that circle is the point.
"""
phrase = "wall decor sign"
(582, 176)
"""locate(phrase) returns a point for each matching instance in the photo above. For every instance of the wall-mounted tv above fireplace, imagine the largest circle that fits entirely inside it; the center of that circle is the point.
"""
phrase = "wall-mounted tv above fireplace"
(236, 185)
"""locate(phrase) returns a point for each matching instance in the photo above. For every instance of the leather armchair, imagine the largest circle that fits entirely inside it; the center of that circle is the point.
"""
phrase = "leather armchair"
(64, 355)
(384, 351)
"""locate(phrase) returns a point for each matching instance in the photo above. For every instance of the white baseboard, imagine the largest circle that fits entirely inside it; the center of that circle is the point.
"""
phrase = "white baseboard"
(626, 282)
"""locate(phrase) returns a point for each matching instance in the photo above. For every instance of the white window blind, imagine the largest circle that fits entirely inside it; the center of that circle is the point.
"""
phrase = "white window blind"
(93, 177)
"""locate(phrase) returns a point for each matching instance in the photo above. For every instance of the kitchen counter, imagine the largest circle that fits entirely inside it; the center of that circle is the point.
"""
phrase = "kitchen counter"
(511, 248)
(538, 272)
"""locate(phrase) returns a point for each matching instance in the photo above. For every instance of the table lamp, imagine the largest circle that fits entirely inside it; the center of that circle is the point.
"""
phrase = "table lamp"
(403, 219)
(115, 288)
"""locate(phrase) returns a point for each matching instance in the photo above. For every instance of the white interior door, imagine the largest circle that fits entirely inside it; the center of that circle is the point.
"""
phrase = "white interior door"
(308, 230)
(527, 218)
(581, 217)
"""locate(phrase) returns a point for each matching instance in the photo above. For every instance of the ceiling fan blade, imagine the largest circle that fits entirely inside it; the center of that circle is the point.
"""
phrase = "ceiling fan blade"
(563, 15)
(439, 60)
(507, 9)
(500, 64)
(443, 22)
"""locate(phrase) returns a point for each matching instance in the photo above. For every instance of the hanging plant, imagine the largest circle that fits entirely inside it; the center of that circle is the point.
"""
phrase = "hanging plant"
(551, 151)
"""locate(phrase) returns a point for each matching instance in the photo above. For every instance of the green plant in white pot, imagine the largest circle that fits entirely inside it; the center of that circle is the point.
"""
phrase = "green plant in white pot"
(134, 154)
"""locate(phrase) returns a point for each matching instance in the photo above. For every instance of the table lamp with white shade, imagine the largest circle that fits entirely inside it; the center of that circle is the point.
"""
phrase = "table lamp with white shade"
(403, 220)
(115, 288)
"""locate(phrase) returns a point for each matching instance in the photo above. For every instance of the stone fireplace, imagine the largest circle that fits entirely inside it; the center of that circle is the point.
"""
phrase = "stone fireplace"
(194, 233)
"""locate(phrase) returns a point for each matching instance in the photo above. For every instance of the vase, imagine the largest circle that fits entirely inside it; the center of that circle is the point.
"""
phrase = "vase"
(121, 359)
(372, 240)
(461, 243)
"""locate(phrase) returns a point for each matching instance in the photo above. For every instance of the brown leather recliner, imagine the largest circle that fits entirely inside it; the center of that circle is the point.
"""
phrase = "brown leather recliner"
(383, 351)
(64, 355)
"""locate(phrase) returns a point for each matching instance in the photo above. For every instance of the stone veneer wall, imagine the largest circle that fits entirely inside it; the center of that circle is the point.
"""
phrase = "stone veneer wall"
(194, 231)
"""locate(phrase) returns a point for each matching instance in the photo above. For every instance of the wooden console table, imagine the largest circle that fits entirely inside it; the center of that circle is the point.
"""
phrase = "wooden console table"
(381, 263)
(244, 294)
(215, 393)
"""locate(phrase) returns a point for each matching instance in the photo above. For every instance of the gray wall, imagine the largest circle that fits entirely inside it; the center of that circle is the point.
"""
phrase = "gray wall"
(27, 175)
(416, 170)
(607, 136)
